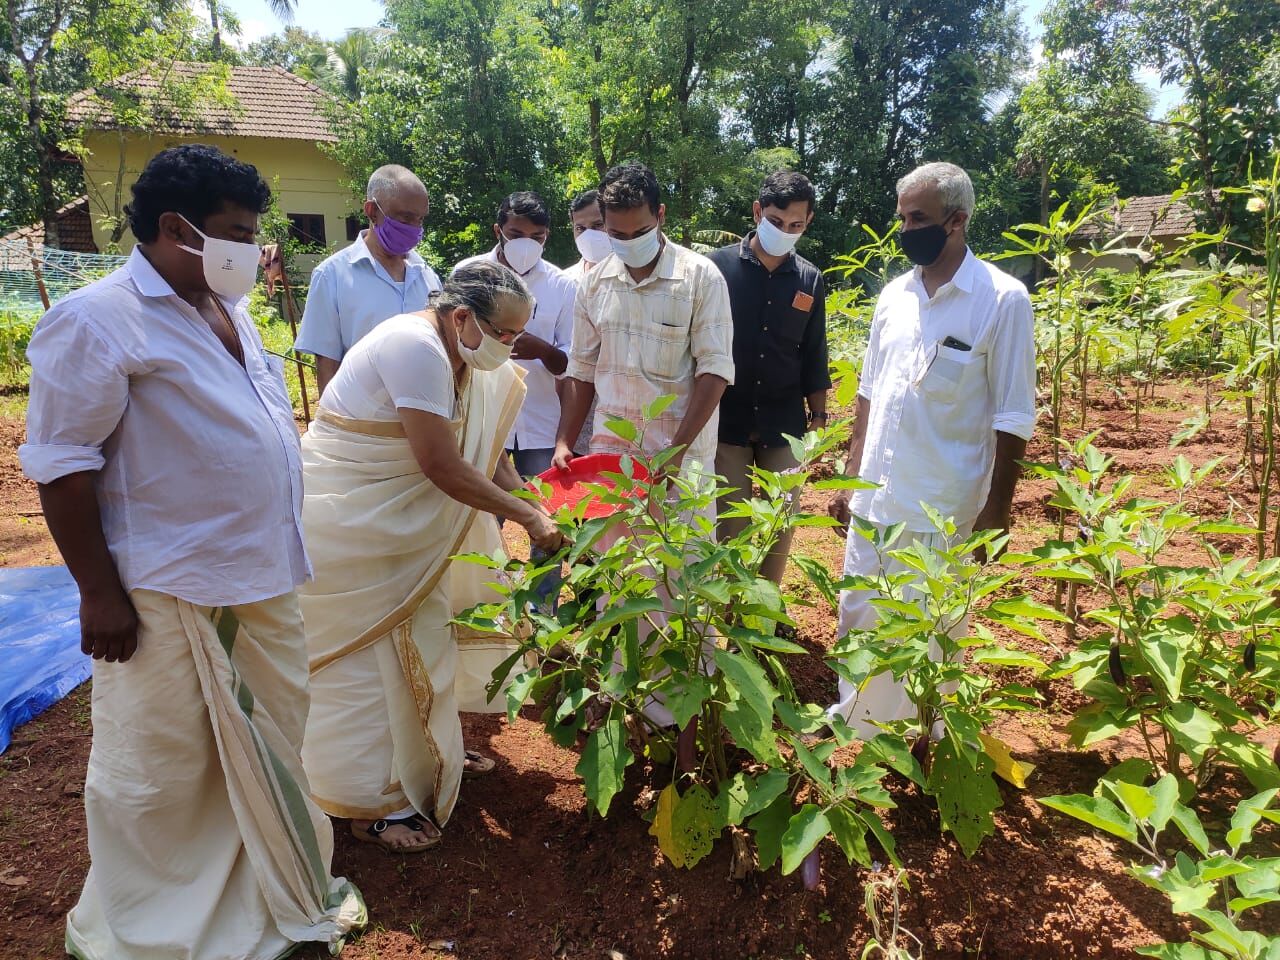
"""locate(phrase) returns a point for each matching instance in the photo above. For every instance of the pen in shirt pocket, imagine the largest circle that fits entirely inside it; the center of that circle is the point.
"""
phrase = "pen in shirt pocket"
(955, 344)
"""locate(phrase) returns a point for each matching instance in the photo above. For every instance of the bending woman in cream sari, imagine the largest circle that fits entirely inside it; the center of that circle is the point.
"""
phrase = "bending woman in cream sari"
(397, 467)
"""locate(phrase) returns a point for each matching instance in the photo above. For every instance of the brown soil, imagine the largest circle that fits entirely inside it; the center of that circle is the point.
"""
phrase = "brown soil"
(526, 872)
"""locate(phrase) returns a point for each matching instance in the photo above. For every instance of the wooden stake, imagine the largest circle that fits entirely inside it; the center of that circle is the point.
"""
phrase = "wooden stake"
(35, 268)
(291, 312)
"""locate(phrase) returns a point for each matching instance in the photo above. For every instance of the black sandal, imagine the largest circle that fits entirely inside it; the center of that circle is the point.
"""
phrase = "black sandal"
(415, 823)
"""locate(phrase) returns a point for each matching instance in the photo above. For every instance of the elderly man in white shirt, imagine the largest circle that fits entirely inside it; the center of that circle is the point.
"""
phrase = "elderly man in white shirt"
(163, 442)
(946, 405)
(380, 275)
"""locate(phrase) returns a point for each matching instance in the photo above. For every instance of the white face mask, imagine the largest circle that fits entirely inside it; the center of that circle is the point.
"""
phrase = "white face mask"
(776, 243)
(594, 245)
(523, 253)
(230, 268)
(490, 355)
(638, 251)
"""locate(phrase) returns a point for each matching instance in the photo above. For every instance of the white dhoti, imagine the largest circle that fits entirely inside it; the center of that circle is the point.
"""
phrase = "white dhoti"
(383, 734)
(881, 698)
(203, 840)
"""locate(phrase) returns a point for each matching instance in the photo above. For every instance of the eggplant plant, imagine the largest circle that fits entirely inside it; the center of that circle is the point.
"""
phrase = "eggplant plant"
(661, 614)
(1188, 655)
(1219, 885)
(935, 607)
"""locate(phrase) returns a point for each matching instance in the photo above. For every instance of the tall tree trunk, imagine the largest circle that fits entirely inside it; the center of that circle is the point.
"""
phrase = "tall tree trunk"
(44, 150)
(594, 110)
(216, 23)
(1044, 214)
(684, 93)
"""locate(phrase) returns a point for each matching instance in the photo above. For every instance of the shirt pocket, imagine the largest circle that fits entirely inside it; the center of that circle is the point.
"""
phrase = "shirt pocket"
(792, 325)
(950, 373)
(665, 347)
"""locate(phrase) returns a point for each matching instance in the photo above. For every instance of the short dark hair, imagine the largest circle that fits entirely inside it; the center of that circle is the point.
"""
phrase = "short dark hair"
(524, 203)
(784, 187)
(629, 185)
(196, 181)
(590, 198)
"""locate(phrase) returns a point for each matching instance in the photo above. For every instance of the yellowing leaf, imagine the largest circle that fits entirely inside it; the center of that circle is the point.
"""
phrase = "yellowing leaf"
(668, 800)
(1007, 768)
(686, 827)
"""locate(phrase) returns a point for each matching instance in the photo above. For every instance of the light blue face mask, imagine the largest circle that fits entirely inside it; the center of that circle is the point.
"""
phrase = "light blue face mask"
(776, 243)
(639, 251)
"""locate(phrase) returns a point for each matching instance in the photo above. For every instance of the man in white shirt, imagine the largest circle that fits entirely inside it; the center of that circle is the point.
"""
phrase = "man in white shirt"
(378, 276)
(946, 405)
(522, 230)
(164, 446)
(651, 320)
(587, 220)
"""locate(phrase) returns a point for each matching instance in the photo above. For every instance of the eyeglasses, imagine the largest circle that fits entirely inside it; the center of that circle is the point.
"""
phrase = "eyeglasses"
(505, 336)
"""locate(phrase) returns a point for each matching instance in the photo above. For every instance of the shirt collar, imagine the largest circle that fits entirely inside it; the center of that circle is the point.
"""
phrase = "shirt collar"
(963, 280)
(359, 250)
(967, 275)
(145, 277)
(746, 252)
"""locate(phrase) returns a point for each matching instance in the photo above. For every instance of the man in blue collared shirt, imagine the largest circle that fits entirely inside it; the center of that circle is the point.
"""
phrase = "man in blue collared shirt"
(379, 276)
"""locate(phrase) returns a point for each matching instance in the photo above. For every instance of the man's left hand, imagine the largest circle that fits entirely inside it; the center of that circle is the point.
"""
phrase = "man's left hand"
(990, 519)
(529, 347)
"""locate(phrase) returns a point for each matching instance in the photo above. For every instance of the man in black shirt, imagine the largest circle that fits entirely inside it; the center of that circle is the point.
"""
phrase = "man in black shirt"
(779, 347)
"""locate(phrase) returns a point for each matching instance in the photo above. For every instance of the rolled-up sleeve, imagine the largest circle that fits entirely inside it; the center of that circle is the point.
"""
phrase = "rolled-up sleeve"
(321, 332)
(584, 354)
(815, 370)
(79, 391)
(711, 326)
(1012, 365)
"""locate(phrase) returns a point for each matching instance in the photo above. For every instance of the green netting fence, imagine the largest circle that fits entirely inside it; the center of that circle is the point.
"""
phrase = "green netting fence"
(60, 270)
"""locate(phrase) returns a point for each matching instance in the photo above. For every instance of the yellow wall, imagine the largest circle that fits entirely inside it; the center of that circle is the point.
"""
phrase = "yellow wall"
(305, 179)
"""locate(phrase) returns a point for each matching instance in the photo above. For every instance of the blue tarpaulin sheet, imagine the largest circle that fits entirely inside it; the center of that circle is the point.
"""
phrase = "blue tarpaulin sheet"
(40, 658)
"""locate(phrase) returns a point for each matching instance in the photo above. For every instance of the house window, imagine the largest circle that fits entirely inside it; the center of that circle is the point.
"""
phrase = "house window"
(354, 226)
(307, 229)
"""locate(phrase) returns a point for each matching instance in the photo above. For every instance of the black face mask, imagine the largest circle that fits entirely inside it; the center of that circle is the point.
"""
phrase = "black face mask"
(923, 245)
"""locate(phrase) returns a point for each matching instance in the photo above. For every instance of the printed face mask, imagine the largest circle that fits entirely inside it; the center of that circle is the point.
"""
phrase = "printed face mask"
(230, 268)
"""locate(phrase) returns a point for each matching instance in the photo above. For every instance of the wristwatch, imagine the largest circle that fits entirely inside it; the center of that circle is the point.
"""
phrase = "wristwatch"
(818, 415)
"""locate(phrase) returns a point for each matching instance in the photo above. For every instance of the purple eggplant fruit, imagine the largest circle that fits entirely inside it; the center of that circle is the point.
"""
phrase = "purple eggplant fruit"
(811, 869)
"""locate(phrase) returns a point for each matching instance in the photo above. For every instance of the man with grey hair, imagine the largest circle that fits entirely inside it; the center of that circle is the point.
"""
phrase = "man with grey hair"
(378, 276)
(946, 405)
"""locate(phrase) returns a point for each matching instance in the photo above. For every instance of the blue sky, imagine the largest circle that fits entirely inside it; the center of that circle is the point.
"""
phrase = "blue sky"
(331, 18)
